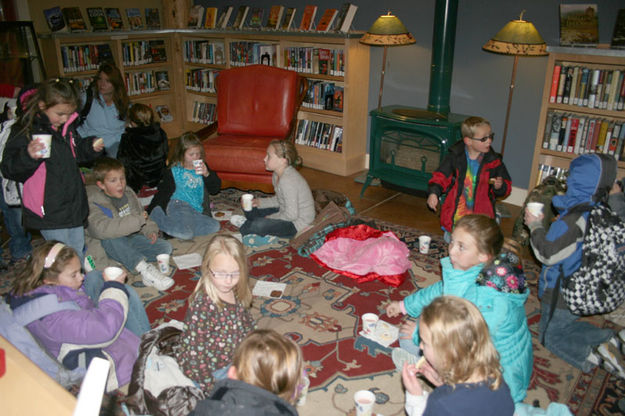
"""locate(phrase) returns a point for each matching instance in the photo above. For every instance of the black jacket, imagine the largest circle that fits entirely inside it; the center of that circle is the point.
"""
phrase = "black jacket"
(64, 197)
(235, 397)
(143, 151)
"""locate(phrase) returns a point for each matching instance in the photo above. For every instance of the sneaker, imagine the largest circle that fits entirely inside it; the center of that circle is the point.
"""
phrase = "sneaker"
(237, 220)
(400, 356)
(152, 277)
(612, 359)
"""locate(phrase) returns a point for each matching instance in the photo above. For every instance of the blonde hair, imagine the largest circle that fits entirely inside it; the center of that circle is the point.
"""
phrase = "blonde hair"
(286, 150)
(230, 246)
(270, 361)
(470, 124)
(464, 349)
(34, 273)
(141, 114)
(485, 231)
(185, 142)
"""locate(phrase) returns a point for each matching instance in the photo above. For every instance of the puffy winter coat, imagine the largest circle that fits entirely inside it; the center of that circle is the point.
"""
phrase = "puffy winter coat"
(143, 151)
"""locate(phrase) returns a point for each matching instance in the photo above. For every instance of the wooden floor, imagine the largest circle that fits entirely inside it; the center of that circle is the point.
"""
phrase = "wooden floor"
(389, 204)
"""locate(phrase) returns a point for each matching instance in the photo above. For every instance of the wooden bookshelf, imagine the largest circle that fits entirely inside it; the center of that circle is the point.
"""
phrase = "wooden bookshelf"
(608, 60)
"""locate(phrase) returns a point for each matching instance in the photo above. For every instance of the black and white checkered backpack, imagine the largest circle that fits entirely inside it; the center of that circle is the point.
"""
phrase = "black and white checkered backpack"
(598, 286)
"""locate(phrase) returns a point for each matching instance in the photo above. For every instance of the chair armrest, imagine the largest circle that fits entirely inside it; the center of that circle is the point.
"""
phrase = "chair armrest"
(302, 89)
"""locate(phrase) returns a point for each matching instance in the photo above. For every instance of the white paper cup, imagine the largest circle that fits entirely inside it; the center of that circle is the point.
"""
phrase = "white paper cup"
(197, 165)
(424, 244)
(364, 401)
(163, 263)
(112, 273)
(369, 321)
(246, 201)
(46, 140)
(535, 208)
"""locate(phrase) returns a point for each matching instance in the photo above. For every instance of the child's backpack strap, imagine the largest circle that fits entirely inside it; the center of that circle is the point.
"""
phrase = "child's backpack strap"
(84, 111)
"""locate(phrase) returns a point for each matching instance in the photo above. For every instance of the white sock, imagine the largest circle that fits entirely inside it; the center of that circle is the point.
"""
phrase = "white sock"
(141, 266)
(594, 358)
(614, 341)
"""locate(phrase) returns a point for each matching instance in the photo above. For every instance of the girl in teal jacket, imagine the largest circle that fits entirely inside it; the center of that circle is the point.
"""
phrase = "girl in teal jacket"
(498, 293)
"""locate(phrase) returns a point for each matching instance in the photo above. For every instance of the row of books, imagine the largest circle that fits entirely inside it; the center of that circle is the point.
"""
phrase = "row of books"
(203, 52)
(545, 171)
(321, 135)
(100, 19)
(588, 87)
(85, 57)
(145, 82)
(249, 53)
(574, 133)
(201, 80)
(278, 18)
(204, 113)
(322, 95)
(315, 60)
(143, 52)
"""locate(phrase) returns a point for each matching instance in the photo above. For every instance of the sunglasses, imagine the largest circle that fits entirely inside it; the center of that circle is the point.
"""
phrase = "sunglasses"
(485, 138)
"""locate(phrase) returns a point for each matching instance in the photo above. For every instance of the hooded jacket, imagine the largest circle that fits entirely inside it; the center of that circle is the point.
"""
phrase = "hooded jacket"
(237, 398)
(504, 314)
(54, 193)
(449, 179)
(143, 150)
(591, 177)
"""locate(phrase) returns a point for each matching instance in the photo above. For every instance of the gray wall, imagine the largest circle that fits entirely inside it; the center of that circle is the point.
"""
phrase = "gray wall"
(480, 79)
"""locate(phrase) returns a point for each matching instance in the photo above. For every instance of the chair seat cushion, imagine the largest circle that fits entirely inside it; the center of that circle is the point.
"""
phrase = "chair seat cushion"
(240, 154)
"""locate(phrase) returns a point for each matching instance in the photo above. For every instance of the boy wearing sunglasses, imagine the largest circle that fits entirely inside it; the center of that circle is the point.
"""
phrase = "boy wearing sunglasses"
(471, 176)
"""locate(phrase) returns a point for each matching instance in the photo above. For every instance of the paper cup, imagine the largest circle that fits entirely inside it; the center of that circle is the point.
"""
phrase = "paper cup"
(535, 208)
(163, 263)
(46, 140)
(197, 164)
(364, 401)
(424, 244)
(246, 201)
(112, 273)
(369, 321)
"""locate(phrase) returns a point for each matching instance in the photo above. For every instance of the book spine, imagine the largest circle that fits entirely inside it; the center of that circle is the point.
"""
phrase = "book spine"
(573, 134)
(594, 84)
(614, 90)
(568, 80)
(561, 84)
(574, 85)
(579, 138)
(556, 120)
(562, 133)
(547, 132)
(583, 87)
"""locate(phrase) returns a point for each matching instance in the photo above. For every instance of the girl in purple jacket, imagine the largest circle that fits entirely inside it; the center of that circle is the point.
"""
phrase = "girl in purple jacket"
(80, 331)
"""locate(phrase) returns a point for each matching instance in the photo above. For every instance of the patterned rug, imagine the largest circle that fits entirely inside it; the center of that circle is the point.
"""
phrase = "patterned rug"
(321, 310)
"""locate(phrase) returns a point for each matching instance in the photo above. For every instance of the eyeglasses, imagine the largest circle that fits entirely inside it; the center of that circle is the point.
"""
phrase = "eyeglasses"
(224, 276)
(485, 138)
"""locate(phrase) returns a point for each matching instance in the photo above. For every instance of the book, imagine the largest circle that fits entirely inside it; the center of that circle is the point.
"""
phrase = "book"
(618, 34)
(583, 88)
(210, 18)
(114, 18)
(554, 130)
(555, 81)
(593, 87)
(572, 134)
(256, 18)
(338, 98)
(162, 80)
(579, 24)
(568, 79)
(158, 50)
(308, 18)
(152, 18)
(164, 113)
(73, 19)
(275, 17)
(224, 17)
(196, 17)
(344, 21)
(561, 84)
(134, 18)
(54, 19)
(326, 20)
(287, 19)
(97, 19)
(239, 20)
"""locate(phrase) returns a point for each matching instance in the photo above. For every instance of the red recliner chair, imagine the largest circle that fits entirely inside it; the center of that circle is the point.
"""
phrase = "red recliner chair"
(255, 104)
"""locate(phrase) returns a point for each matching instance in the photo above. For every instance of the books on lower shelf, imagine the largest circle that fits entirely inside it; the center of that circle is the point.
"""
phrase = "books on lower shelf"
(143, 52)
(325, 136)
(323, 95)
(203, 52)
(248, 53)
(313, 60)
(588, 87)
(204, 113)
(84, 57)
(200, 79)
(545, 171)
(576, 133)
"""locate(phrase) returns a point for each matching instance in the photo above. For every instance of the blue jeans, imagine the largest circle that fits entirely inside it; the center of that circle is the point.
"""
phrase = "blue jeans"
(182, 221)
(137, 321)
(73, 237)
(568, 337)
(131, 249)
(257, 224)
(19, 243)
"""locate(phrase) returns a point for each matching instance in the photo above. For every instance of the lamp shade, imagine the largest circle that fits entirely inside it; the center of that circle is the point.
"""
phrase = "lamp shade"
(387, 30)
(518, 37)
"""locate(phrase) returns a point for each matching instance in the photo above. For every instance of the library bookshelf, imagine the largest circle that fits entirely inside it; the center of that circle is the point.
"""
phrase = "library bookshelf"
(193, 58)
(587, 115)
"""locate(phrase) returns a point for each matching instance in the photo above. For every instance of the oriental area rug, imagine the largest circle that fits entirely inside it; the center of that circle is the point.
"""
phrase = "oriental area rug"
(321, 311)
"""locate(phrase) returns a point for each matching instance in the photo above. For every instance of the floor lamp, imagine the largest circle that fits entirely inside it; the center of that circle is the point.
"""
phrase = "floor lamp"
(517, 38)
(386, 31)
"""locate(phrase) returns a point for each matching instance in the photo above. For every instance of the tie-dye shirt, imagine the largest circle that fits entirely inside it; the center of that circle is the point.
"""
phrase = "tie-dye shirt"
(467, 198)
